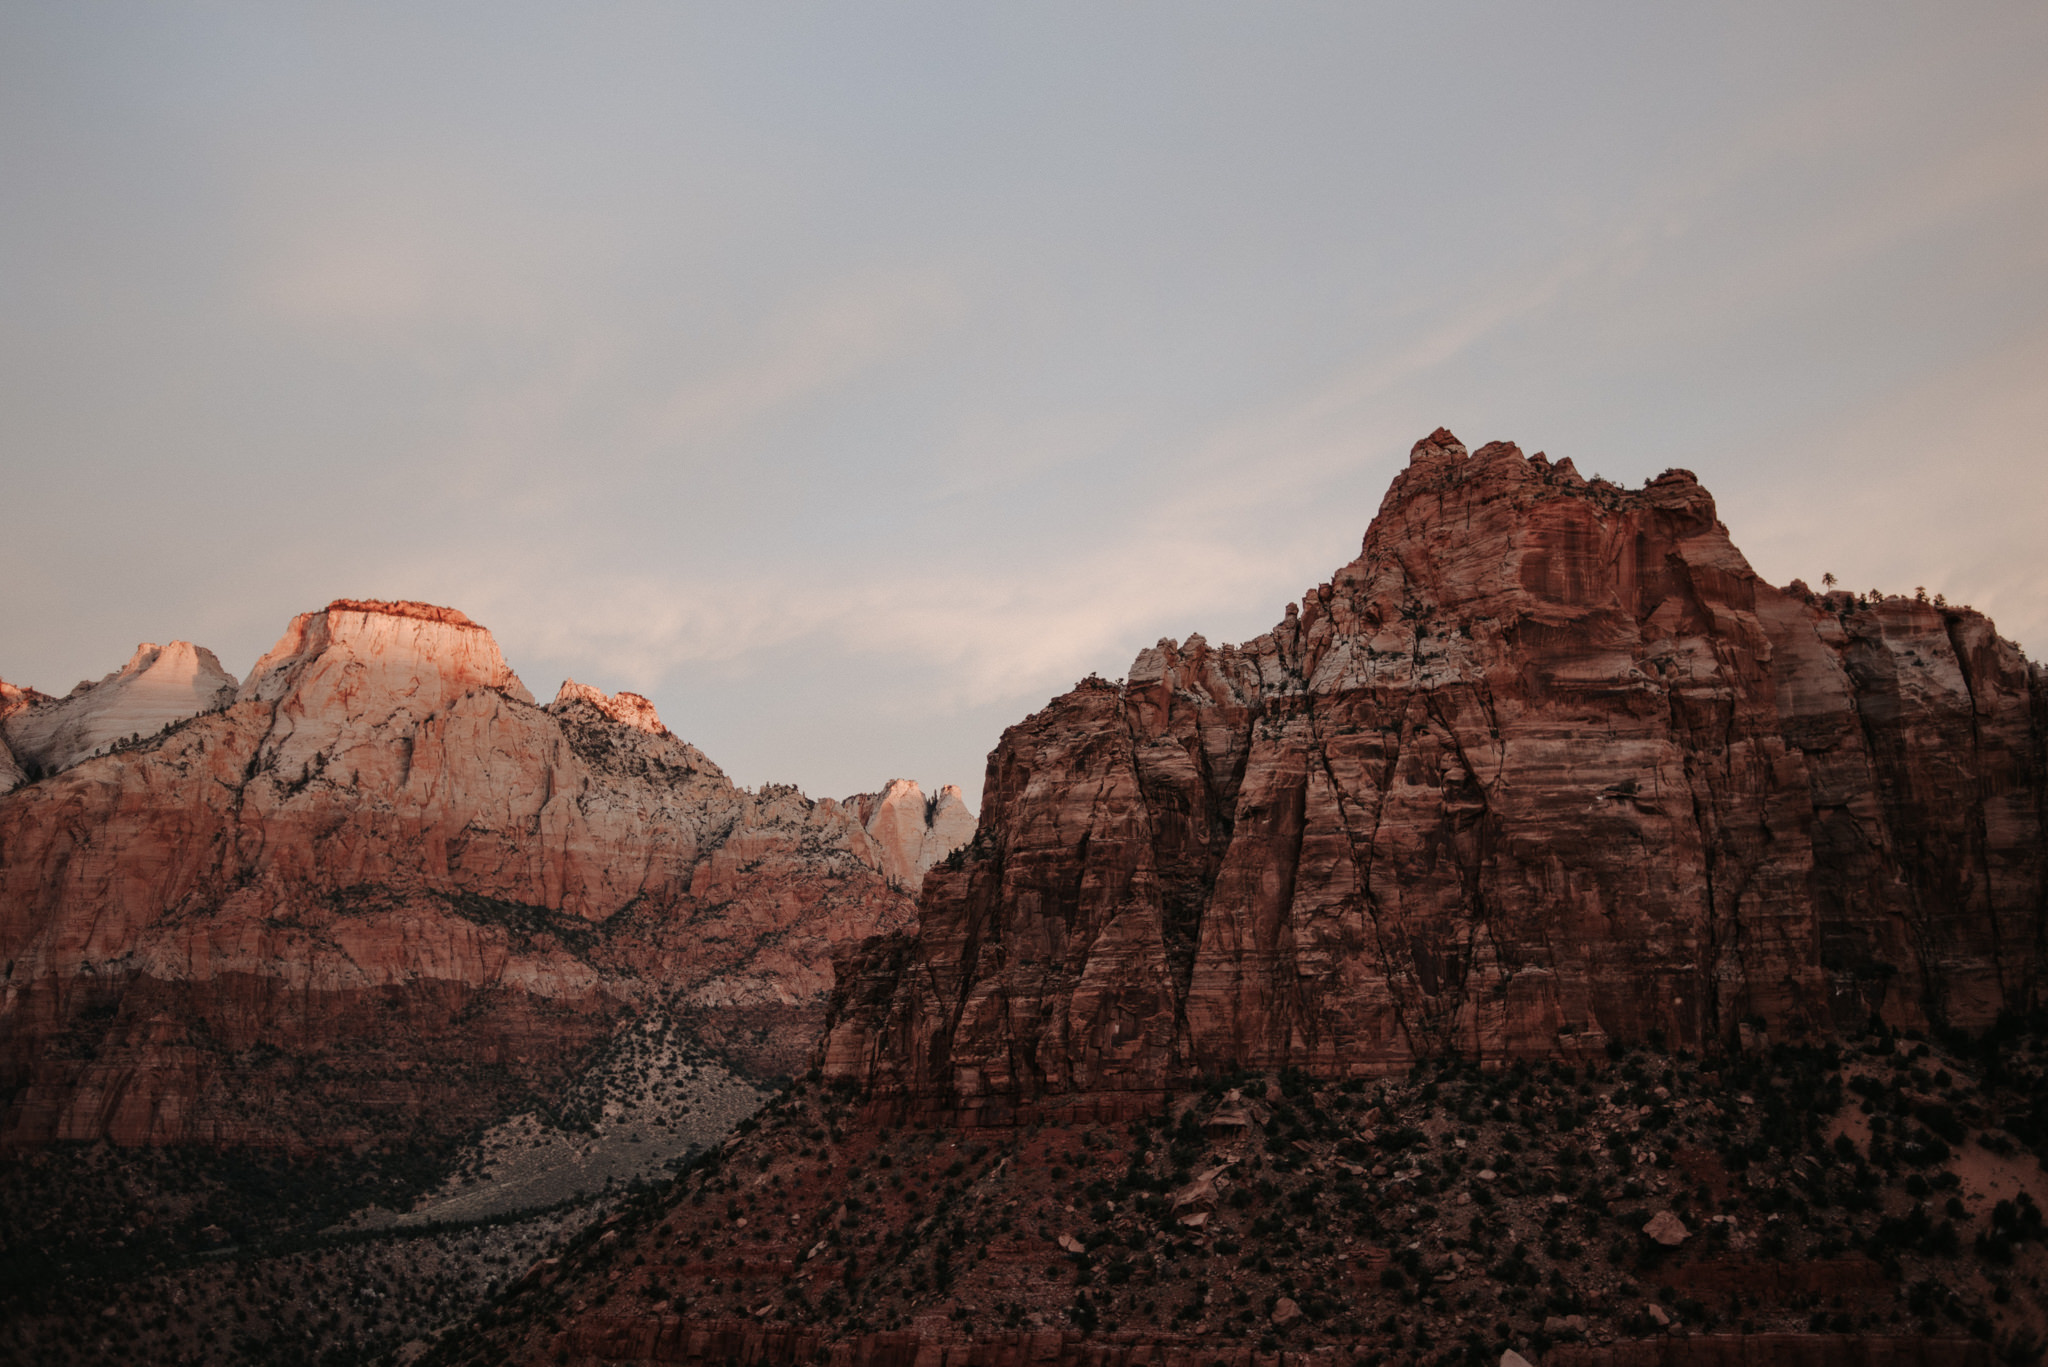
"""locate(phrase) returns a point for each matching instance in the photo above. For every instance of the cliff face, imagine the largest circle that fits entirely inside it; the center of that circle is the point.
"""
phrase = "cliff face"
(1546, 765)
(383, 892)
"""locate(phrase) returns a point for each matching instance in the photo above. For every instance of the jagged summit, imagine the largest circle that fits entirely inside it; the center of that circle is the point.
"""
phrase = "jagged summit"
(1546, 766)
(910, 831)
(627, 709)
(158, 686)
(1440, 443)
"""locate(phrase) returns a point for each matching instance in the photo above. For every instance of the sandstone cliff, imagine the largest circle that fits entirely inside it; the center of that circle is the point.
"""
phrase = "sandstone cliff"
(383, 892)
(911, 832)
(1547, 765)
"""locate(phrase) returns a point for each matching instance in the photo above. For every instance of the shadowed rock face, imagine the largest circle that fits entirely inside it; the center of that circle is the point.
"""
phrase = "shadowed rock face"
(383, 893)
(1546, 765)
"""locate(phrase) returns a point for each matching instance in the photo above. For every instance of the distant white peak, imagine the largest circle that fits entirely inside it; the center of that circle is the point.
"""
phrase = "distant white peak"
(909, 832)
(627, 709)
(158, 686)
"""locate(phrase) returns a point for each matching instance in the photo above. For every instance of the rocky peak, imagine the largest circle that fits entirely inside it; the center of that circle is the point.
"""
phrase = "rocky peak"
(158, 686)
(1438, 445)
(1547, 765)
(627, 709)
(433, 654)
(356, 668)
(910, 833)
(385, 858)
(13, 698)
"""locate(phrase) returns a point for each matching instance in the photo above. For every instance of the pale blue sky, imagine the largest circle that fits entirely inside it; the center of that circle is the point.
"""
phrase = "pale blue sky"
(852, 378)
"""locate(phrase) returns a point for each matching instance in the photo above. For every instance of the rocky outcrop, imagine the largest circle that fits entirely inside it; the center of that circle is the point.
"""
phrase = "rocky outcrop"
(627, 709)
(159, 686)
(1548, 765)
(13, 699)
(382, 893)
(911, 832)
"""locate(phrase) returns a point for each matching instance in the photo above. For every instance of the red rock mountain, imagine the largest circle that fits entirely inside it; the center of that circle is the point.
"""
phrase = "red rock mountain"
(381, 892)
(1547, 765)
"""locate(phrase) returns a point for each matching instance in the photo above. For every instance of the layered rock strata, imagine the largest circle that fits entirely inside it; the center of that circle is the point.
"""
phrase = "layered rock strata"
(1548, 765)
(382, 892)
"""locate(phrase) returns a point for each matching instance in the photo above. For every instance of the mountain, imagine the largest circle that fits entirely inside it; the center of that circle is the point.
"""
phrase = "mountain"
(158, 686)
(13, 699)
(912, 832)
(1546, 766)
(1549, 943)
(374, 892)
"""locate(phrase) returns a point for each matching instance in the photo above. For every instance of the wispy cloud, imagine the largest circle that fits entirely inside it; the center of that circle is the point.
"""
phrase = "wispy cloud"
(810, 349)
(1207, 540)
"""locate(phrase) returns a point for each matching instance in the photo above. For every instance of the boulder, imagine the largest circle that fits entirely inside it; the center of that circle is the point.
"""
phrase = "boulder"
(1667, 1229)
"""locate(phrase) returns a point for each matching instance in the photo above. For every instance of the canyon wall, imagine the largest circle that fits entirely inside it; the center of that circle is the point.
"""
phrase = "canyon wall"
(1546, 766)
(377, 892)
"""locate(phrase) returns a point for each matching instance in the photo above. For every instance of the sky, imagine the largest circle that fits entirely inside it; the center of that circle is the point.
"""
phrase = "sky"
(851, 379)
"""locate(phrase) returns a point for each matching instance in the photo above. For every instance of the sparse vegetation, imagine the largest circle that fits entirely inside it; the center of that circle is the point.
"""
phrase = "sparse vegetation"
(1838, 1185)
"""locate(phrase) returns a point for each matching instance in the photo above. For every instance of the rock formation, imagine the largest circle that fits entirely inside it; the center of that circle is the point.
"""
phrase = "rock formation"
(1548, 765)
(158, 686)
(910, 832)
(382, 893)
(13, 699)
(627, 709)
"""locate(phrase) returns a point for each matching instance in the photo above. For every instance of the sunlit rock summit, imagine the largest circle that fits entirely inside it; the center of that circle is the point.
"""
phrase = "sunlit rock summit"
(374, 890)
(912, 832)
(158, 686)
